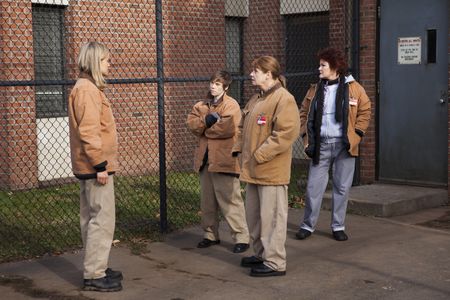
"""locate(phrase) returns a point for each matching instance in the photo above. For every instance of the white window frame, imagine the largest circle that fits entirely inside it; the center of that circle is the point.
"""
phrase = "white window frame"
(51, 2)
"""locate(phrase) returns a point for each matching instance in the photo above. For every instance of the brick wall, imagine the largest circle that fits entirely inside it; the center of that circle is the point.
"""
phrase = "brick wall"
(128, 30)
(368, 25)
(17, 111)
(194, 45)
(263, 35)
(340, 33)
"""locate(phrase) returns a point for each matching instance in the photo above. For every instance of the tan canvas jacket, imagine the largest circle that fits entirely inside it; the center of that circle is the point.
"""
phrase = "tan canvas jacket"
(358, 116)
(219, 139)
(269, 127)
(93, 137)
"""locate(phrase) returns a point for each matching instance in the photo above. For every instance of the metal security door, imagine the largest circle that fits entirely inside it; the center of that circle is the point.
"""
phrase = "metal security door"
(413, 106)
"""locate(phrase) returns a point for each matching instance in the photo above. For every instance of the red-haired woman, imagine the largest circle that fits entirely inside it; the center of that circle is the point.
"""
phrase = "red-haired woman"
(334, 116)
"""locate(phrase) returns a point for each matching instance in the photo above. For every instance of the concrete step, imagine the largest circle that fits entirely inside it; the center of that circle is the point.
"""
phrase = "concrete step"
(386, 200)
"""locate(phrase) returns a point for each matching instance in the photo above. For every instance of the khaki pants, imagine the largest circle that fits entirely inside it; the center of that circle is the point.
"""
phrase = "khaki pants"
(224, 192)
(97, 221)
(267, 211)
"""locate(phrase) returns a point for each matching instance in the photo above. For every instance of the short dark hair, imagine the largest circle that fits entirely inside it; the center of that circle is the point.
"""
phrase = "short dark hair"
(223, 77)
(335, 58)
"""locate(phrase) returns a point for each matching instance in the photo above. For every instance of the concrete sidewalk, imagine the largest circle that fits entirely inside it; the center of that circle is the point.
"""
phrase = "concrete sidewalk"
(383, 259)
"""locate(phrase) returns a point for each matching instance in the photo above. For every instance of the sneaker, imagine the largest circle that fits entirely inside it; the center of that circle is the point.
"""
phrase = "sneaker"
(104, 284)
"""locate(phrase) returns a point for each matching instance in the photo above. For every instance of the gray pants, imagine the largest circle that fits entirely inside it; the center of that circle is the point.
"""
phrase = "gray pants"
(335, 155)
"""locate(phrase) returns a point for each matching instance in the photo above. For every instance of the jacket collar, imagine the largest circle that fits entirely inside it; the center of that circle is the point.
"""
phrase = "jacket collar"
(210, 100)
(263, 94)
(87, 76)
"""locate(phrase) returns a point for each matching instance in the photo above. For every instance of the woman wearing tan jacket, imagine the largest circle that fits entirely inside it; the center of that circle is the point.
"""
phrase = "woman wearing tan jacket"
(269, 127)
(215, 121)
(93, 145)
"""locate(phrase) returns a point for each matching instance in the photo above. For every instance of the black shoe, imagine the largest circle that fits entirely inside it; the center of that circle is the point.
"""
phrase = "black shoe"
(303, 234)
(340, 235)
(264, 271)
(207, 243)
(104, 284)
(240, 247)
(114, 275)
(251, 261)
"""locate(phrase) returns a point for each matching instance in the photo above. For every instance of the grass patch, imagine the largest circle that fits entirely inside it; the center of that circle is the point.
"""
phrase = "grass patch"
(46, 220)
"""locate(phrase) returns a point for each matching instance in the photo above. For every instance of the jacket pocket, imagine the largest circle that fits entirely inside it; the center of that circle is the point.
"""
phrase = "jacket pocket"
(263, 171)
(354, 139)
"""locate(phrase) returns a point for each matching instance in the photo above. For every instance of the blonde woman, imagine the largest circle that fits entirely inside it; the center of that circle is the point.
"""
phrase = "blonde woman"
(269, 127)
(93, 145)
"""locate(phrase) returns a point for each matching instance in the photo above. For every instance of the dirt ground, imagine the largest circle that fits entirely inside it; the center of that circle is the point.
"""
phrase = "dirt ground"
(442, 222)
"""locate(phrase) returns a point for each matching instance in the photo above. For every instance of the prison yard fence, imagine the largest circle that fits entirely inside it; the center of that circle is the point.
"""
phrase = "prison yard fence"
(162, 55)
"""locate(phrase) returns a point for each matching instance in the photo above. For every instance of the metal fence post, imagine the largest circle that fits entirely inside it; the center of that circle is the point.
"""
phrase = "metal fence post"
(161, 117)
(355, 39)
(355, 70)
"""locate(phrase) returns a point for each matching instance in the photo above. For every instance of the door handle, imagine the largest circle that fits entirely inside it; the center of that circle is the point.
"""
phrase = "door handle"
(443, 97)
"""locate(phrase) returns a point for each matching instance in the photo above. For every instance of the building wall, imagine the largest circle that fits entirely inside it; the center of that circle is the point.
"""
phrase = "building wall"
(263, 35)
(448, 98)
(18, 160)
(128, 30)
(368, 45)
(134, 56)
(339, 38)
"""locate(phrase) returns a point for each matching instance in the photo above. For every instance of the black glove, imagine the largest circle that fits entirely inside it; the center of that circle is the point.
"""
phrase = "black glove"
(210, 120)
(309, 151)
(359, 132)
(235, 153)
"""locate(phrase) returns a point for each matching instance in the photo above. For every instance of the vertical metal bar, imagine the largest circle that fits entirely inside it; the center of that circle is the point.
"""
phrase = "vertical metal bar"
(355, 38)
(355, 68)
(161, 117)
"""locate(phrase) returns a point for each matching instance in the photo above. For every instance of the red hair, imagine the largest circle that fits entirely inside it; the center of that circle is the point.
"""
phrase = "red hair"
(335, 58)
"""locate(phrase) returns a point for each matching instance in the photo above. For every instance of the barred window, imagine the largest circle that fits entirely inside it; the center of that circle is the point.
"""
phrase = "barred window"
(234, 58)
(48, 41)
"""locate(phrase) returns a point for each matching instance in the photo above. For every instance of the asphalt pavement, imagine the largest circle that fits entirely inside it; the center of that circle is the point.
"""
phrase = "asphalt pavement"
(384, 258)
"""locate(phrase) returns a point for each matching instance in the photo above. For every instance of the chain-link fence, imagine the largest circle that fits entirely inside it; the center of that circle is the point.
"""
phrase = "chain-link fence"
(163, 53)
